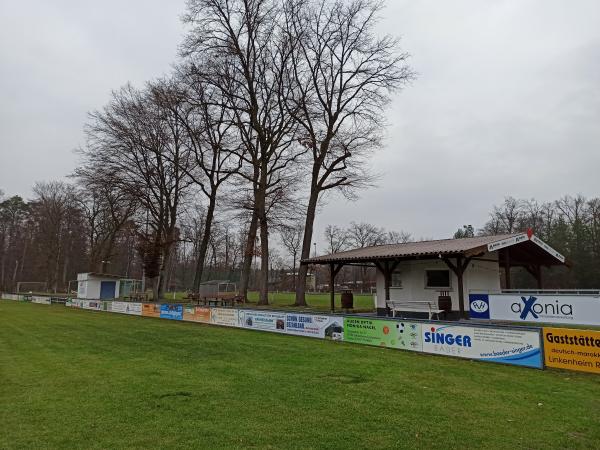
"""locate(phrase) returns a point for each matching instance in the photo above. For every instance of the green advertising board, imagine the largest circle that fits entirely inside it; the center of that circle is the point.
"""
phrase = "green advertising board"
(383, 333)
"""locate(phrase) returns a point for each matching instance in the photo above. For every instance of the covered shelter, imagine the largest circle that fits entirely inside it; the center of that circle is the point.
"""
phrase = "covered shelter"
(424, 270)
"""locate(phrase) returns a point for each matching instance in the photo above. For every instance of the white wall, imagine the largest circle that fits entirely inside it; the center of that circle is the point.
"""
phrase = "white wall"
(88, 287)
(478, 275)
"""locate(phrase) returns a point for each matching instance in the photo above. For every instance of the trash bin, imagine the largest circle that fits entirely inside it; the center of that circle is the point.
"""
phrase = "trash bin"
(445, 301)
(347, 300)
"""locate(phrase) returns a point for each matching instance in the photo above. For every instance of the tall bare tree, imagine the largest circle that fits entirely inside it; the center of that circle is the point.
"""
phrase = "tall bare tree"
(345, 74)
(137, 144)
(243, 51)
(215, 154)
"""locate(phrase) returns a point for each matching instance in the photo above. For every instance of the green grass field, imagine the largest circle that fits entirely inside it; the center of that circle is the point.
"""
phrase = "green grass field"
(82, 379)
(362, 302)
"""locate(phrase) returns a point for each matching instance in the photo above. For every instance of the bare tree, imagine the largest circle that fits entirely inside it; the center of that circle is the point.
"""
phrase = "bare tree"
(398, 237)
(106, 210)
(244, 52)
(291, 238)
(345, 74)
(137, 144)
(337, 238)
(364, 234)
(215, 153)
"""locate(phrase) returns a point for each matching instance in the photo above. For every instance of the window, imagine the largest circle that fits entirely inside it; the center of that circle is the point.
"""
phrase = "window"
(396, 280)
(437, 279)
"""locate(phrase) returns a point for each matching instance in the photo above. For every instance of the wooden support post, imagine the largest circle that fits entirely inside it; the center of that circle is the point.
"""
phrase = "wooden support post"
(540, 281)
(506, 269)
(387, 268)
(332, 285)
(333, 271)
(459, 270)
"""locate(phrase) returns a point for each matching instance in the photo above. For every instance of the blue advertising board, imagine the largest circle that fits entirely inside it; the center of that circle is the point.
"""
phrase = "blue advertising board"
(173, 312)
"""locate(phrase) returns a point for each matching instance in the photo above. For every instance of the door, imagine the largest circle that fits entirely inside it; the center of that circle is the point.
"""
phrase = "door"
(107, 289)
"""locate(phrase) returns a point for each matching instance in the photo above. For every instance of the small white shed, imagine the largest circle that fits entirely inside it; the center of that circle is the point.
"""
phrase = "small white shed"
(94, 286)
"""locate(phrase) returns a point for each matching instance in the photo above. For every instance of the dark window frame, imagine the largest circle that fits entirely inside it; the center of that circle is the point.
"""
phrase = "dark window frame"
(448, 287)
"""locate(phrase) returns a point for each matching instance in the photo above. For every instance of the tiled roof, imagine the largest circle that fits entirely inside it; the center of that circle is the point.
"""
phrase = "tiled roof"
(413, 249)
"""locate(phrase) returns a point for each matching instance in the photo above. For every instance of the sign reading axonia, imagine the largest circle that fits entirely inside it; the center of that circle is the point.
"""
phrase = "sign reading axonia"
(544, 308)
(566, 348)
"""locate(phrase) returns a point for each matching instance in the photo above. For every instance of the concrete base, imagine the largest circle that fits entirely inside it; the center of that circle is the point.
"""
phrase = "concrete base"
(384, 312)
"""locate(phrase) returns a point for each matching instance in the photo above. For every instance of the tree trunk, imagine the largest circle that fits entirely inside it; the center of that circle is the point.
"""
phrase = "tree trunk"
(306, 244)
(162, 274)
(263, 298)
(204, 243)
(248, 255)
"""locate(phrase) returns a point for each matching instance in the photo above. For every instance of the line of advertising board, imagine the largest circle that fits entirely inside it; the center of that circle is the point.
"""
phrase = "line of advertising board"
(564, 348)
(542, 308)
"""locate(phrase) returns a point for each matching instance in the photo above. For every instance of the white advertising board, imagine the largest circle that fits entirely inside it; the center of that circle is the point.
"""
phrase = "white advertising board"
(224, 316)
(41, 300)
(90, 304)
(262, 320)
(127, 308)
(330, 327)
(502, 345)
(542, 308)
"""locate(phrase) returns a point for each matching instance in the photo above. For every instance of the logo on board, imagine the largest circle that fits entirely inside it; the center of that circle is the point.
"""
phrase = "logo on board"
(530, 309)
(479, 306)
(441, 336)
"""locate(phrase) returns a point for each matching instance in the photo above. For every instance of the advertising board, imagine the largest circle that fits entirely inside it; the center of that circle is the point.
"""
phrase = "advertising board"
(572, 349)
(543, 308)
(127, 308)
(196, 314)
(41, 300)
(262, 320)
(90, 304)
(170, 311)
(150, 310)
(224, 316)
(383, 333)
(520, 347)
(324, 327)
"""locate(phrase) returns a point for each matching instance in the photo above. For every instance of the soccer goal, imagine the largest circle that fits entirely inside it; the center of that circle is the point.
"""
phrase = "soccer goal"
(32, 286)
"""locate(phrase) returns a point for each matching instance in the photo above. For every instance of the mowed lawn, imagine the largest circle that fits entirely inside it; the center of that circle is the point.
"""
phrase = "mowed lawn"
(318, 301)
(82, 379)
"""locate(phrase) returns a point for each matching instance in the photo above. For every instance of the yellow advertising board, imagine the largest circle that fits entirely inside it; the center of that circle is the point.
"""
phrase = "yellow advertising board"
(572, 349)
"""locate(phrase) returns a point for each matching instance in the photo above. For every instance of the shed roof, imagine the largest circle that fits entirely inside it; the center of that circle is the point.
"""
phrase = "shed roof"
(102, 275)
(445, 247)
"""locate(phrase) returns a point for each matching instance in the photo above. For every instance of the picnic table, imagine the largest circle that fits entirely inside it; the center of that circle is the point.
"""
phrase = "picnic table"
(215, 299)
(136, 297)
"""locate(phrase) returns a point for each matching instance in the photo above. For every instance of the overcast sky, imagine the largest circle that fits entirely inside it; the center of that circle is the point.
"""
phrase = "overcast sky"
(507, 100)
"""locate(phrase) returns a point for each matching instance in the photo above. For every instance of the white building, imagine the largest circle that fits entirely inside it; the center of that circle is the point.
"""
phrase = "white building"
(425, 271)
(94, 286)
